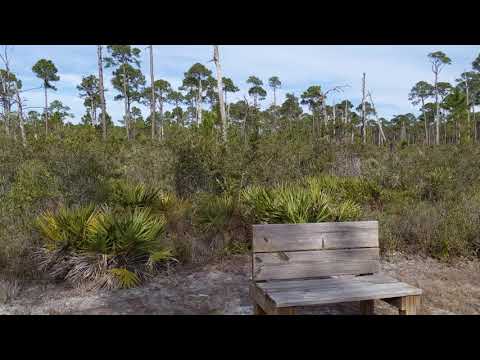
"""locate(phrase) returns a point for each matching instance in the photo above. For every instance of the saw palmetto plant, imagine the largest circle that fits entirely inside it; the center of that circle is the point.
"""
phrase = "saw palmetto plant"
(315, 200)
(213, 213)
(128, 194)
(101, 246)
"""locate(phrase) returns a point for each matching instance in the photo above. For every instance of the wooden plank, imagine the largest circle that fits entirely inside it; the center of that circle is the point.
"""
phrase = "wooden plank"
(355, 291)
(257, 310)
(376, 279)
(316, 236)
(284, 311)
(367, 307)
(409, 305)
(259, 298)
(317, 263)
(275, 286)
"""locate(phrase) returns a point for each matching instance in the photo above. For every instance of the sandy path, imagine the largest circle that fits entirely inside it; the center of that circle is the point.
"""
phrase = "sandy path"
(222, 288)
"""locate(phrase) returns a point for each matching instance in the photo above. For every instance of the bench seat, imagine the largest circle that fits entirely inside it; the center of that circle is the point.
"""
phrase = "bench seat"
(294, 293)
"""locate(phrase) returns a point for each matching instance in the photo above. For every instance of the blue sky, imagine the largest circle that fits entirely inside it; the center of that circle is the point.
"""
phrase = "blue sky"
(391, 70)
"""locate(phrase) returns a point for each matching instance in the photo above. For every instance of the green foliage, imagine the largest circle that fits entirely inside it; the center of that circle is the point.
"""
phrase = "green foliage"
(423, 197)
(67, 228)
(128, 194)
(214, 213)
(312, 201)
(435, 183)
(102, 246)
(46, 70)
(126, 279)
(33, 185)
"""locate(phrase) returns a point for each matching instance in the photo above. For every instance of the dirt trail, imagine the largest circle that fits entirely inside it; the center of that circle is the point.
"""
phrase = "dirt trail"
(222, 288)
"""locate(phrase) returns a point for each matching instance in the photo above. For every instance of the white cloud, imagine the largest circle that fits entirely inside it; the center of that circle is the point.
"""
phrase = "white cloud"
(70, 79)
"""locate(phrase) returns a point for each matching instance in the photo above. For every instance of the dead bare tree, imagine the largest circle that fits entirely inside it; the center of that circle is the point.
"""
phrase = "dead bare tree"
(6, 91)
(152, 103)
(380, 128)
(244, 125)
(199, 102)
(102, 91)
(467, 104)
(6, 112)
(364, 134)
(335, 89)
(4, 58)
(216, 59)
(20, 115)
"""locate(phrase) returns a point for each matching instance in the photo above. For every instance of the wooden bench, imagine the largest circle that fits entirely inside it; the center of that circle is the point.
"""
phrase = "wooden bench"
(297, 265)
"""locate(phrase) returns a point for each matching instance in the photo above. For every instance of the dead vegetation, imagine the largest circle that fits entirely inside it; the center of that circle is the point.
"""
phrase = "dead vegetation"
(221, 287)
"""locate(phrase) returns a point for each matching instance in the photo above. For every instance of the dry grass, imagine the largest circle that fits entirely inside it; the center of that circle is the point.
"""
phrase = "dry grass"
(448, 287)
(221, 287)
(9, 290)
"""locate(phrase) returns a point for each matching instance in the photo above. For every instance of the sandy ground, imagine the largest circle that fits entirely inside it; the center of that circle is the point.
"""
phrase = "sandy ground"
(222, 288)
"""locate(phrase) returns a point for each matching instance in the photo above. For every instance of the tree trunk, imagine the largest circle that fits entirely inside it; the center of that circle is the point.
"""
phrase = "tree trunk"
(403, 132)
(20, 116)
(46, 110)
(6, 114)
(152, 101)
(160, 108)
(127, 112)
(227, 108)
(437, 114)
(178, 116)
(425, 122)
(102, 93)
(12, 121)
(216, 59)
(445, 129)
(94, 113)
(199, 103)
(468, 110)
(364, 135)
(325, 120)
(475, 134)
(379, 123)
(334, 122)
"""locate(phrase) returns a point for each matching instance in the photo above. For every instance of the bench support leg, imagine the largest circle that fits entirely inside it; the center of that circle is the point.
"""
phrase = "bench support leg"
(409, 305)
(257, 310)
(367, 307)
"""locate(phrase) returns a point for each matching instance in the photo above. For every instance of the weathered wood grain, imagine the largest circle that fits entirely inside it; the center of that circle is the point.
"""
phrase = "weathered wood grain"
(317, 263)
(354, 291)
(274, 286)
(407, 305)
(325, 263)
(317, 236)
(260, 299)
(367, 307)
(257, 310)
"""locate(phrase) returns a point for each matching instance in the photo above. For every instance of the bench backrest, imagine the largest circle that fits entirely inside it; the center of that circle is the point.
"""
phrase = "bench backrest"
(295, 251)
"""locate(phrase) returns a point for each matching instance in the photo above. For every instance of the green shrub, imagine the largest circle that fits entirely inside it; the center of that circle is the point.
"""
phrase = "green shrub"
(435, 184)
(128, 194)
(34, 185)
(213, 213)
(314, 201)
(356, 189)
(100, 246)
(444, 230)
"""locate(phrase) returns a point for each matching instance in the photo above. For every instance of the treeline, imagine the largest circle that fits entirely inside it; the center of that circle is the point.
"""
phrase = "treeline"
(447, 111)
